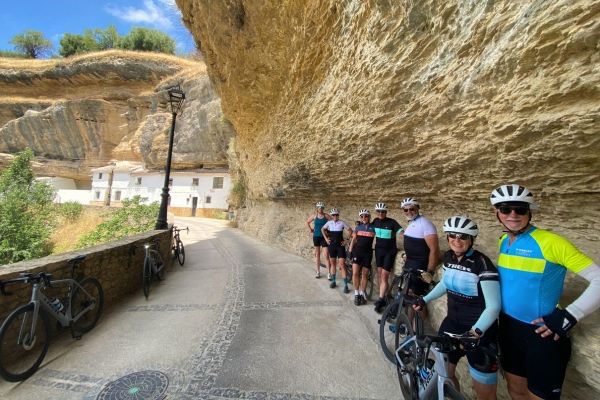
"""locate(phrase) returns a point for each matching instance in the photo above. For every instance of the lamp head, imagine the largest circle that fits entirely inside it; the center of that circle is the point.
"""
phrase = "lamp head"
(176, 98)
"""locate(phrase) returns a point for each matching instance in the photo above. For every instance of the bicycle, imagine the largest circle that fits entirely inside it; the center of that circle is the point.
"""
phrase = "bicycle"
(24, 334)
(422, 365)
(395, 317)
(177, 249)
(153, 266)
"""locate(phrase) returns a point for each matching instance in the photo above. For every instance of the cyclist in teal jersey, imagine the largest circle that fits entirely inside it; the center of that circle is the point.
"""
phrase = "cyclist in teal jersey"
(534, 329)
(318, 219)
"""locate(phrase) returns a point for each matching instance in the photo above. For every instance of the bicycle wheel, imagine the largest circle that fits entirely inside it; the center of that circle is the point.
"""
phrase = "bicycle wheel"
(21, 350)
(370, 285)
(146, 276)
(407, 376)
(395, 286)
(89, 295)
(158, 267)
(394, 328)
(180, 253)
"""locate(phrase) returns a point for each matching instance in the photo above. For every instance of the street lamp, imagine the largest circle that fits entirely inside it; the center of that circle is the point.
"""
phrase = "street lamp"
(176, 98)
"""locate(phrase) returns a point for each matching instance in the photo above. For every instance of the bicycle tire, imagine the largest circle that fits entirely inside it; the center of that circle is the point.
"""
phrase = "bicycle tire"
(395, 286)
(370, 284)
(146, 276)
(159, 268)
(17, 362)
(407, 378)
(393, 326)
(80, 301)
(180, 253)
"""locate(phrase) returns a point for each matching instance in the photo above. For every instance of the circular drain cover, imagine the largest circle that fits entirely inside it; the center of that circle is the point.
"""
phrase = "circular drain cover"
(147, 385)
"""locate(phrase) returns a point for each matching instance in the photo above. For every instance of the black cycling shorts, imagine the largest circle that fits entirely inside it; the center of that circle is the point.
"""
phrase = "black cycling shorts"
(362, 257)
(385, 258)
(336, 250)
(543, 361)
(319, 241)
(483, 358)
(417, 286)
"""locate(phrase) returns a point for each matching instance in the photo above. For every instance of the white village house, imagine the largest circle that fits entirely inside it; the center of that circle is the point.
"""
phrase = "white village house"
(199, 192)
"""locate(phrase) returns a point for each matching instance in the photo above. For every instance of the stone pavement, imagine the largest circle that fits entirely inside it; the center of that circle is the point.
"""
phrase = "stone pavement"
(241, 319)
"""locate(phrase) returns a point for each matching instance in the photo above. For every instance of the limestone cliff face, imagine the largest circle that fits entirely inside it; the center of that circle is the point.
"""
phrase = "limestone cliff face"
(81, 113)
(357, 101)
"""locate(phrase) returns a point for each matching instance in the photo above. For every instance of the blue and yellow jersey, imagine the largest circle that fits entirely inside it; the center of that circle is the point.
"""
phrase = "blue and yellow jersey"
(532, 271)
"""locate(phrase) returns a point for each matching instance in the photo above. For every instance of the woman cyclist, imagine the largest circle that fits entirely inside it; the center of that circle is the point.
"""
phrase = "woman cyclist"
(471, 282)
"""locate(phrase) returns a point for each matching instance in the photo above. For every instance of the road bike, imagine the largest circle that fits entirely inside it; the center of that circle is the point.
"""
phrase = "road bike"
(153, 265)
(177, 249)
(399, 316)
(422, 365)
(25, 333)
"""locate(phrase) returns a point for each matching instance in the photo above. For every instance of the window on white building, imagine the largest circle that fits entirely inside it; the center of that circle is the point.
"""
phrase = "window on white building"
(118, 195)
(97, 195)
(208, 199)
(218, 182)
(100, 175)
(195, 181)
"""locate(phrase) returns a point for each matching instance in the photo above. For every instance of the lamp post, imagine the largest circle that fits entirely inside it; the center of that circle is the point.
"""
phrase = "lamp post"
(176, 98)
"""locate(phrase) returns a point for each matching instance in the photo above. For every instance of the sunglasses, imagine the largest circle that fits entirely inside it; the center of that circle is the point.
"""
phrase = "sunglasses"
(365, 216)
(520, 210)
(335, 215)
(381, 212)
(409, 209)
(459, 236)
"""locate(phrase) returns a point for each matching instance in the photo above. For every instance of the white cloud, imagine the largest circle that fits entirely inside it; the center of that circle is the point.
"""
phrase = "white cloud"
(151, 14)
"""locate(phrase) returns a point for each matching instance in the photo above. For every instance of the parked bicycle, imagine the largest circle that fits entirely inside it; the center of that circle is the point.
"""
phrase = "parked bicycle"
(24, 334)
(422, 365)
(153, 265)
(177, 249)
(395, 317)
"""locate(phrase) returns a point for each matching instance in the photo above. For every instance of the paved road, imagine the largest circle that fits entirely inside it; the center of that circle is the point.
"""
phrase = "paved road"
(241, 319)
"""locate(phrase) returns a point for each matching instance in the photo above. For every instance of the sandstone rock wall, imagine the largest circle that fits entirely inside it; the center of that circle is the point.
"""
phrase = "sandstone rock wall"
(81, 113)
(352, 102)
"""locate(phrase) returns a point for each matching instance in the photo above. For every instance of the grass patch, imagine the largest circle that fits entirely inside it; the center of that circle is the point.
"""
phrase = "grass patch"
(68, 232)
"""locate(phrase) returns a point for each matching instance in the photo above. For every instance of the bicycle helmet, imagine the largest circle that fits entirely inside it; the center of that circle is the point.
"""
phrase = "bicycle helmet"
(461, 224)
(334, 211)
(320, 204)
(364, 211)
(409, 201)
(380, 207)
(512, 192)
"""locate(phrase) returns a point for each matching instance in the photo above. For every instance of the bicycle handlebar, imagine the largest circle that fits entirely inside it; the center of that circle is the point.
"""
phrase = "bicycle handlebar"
(26, 278)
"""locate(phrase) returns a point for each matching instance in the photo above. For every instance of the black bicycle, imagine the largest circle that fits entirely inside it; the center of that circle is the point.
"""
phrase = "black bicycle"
(25, 333)
(177, 249)
(153, 265)
(399, 319)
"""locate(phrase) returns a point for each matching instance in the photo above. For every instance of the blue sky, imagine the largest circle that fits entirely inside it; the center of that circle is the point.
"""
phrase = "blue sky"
(57, 17)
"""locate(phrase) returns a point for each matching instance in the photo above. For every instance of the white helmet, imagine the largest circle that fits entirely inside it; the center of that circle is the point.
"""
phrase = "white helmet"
(320, 204)
(461, 224)
(512, 192)
(380, 207)
(334, 211)
(409, 201)
(364, 211)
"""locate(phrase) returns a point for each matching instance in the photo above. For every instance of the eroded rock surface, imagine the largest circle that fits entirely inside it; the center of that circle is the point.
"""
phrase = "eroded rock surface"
(352, 102)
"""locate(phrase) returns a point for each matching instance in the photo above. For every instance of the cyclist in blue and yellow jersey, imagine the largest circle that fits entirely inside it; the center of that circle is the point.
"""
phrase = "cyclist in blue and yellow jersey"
(470, 281)
(333, 231)
(420, 244)
(318, 220)
(534, 328)
(361, 251)
(386, 230)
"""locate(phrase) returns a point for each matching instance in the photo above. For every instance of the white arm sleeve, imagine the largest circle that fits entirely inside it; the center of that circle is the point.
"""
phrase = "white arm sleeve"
(589, 301)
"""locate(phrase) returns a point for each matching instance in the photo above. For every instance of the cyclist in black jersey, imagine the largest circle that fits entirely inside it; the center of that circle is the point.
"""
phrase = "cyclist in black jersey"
(361, 251)
(333, 231)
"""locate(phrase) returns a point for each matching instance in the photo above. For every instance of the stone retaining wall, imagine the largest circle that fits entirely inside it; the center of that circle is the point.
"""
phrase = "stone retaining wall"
(117, 265)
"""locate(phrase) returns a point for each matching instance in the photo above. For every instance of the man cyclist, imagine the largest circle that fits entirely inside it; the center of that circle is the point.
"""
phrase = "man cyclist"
(386, 249)
(420, 244)
(318, 220)
(361, 252)
(534, 328)
(333, 231)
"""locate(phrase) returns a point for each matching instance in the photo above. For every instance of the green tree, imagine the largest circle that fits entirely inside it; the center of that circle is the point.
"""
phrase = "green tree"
(26, 217)
(32, 43)
(106, 38)
(145, 39)
(71, 44)
(130, 219)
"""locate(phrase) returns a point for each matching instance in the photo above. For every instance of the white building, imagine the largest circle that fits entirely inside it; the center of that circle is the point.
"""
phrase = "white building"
(200, 192)
(66, 190)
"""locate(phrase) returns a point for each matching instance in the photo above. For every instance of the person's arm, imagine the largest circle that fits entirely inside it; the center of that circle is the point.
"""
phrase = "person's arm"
(324, 232)
(434, 253)
(308, 221)
(589, 300)
(352, 240)
(491, 294)
(438, 291)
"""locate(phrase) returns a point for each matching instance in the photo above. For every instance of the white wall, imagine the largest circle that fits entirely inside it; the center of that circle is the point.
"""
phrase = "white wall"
(78, 196)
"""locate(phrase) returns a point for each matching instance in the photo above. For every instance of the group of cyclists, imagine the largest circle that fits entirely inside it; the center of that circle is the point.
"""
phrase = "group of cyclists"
(512, 308)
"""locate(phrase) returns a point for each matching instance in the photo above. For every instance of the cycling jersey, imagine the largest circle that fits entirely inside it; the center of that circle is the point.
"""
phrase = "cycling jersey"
(532, 270)
(386, 230)
(336, 230)
(415, 246)
(365, 234)
(319, 222)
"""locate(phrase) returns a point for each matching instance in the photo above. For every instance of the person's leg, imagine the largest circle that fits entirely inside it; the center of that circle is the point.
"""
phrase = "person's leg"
(383, 283)
(452, 375)
(517, 387)
(342, 268)
(356, 277)
(364, 279)
(485, 391)
(326, 254)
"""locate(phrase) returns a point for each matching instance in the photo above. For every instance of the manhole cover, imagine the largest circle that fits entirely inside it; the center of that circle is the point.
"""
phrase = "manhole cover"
(147, 385)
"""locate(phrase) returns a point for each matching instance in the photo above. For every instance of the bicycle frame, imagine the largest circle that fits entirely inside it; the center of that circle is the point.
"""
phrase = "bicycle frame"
(154, 254)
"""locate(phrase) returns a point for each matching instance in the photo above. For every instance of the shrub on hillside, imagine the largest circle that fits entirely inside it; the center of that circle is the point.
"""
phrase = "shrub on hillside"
(69, 211)
(132, 218)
